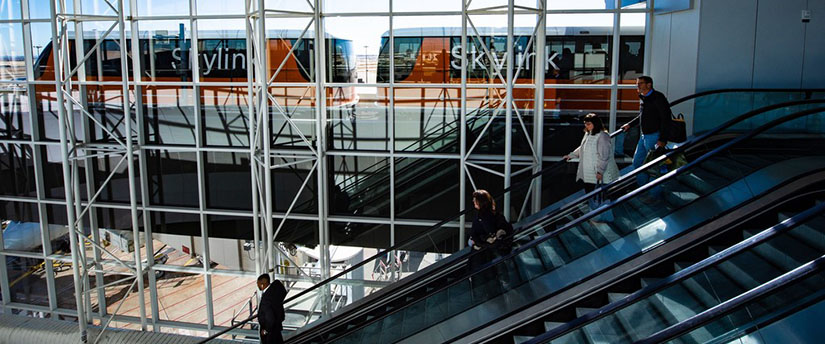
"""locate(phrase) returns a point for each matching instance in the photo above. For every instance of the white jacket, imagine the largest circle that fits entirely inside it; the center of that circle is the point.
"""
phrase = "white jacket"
(595, 155)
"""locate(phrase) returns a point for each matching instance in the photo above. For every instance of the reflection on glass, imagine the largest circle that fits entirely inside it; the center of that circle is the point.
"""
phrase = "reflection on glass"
(361, 186)
(427, 119)
(173, 178)
(292, 115)
(359, 126)
(426, 188)
(12, 61)
(21, 227)
(17, 170)
(224, 112)
(169, 115)
(360, 45)
(27, 281)
(228, 181)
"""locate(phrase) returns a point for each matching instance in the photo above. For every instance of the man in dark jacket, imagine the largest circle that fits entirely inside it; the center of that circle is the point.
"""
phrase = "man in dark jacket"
(271, 310)
(654, 119)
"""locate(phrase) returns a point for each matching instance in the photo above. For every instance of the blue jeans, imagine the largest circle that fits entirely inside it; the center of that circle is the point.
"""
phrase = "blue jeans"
(647, 143)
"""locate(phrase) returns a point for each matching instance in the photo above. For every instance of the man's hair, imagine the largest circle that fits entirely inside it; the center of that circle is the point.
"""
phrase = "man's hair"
(646, 79)
(264, 277)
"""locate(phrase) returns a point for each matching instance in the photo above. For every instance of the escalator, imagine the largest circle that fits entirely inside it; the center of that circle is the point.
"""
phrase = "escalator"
(567, 256)
(695, 288)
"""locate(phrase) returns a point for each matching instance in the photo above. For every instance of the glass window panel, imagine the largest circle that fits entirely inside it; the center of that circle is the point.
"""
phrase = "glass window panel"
(228, 181)
(579, 48)
(425, 52)
(362, 235)
(176, 238)
(294, 115)
(562, 111)
(427, 119)
(289, 5)
(117, 189)
(426, 188)
(231, 296)
(291, 54)
(361, 186)
(14, 113)
(289, 180)
(10, 10)
(222, 50)
(592, 4)
(52, 172)
(17, 170)
(12, 61)
(227, 238)
(224, 111)
(105, 103)
(163, 7)
(42, 60)
(344, 6)
(22, 232)
(360, 39)
(360, 126)
(169, 115)
(501, 5)
(631, 47)
(173, 178)
(166, 50)
(299, 232)
(39, 9)
(220, 7)
(182, 297)
(425, 6)
(27, 281)
(484, 105)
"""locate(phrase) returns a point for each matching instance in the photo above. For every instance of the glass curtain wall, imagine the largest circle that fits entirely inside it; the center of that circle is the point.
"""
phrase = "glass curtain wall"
(200, 143)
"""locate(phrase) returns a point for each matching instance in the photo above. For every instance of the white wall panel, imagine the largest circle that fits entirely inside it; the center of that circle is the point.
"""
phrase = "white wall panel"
(777, 61)
(813, 68)
(726, 44)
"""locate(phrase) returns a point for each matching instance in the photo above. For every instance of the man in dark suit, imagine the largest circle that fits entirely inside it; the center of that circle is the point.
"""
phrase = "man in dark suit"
(271, 310)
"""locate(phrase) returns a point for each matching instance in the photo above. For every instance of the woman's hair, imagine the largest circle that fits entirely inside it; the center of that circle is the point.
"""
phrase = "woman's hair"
(598, 126)
(485, 200)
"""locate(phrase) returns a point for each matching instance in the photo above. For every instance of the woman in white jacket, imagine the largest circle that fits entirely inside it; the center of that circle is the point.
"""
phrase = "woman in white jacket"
(596, 162)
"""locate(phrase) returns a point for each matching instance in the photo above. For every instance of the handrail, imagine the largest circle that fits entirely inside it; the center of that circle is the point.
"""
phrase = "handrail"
(569, 205)
(795, 275)
(682, 275)
(632, 194)
(553, 166)
(221, 333)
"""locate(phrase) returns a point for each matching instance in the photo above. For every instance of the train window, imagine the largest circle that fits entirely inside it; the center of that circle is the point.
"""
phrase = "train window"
(343, 62)
(406, 53)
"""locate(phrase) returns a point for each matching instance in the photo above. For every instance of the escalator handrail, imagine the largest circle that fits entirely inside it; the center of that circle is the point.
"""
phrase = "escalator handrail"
(569, 205)
(682, 275)
(224, 331)
(547, 169)
(698, 320)
(667, 177)
(746, 90)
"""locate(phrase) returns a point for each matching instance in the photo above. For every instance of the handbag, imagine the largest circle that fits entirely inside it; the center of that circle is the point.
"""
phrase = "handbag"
(678, 128)
(599, 200)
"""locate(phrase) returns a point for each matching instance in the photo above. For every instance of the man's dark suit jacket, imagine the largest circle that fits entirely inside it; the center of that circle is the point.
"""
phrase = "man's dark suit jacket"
(271, 313)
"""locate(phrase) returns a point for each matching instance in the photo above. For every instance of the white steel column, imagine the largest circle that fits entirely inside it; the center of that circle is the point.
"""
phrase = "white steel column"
(462, 167)
(508, 124)
(614, 65)
(538, 105)
(321, 139)
(57, 44)
(130, 154)
(252, 117)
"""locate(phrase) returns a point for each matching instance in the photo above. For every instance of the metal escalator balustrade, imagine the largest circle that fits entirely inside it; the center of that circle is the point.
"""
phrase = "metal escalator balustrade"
(432, 235)
(574, 207)
(572, 253)
(726, 274)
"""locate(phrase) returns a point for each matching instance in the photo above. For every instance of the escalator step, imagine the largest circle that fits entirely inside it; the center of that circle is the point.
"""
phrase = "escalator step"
(774, 252)
(753, 161)
(595, 235)
(521, 339)
(576, 242)
(613, 297)
(812, 232)
(701, 180)
(549, 325)
(552, 253)
(748, 269)
(722, 167)
(529, 264)
(607, 231)
(640, 319)
(605, 330)
(679, 266)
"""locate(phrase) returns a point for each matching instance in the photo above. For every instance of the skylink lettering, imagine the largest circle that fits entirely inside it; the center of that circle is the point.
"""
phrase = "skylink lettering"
(217, 59)
(477, 58)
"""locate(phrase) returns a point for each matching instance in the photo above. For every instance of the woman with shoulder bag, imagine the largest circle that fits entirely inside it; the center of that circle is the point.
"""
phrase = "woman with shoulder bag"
(597, 164)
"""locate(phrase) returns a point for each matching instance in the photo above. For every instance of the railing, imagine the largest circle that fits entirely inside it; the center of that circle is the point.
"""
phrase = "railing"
(428, 234)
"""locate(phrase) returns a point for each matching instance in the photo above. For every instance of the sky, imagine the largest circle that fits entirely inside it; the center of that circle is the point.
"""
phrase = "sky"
(364, 31)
